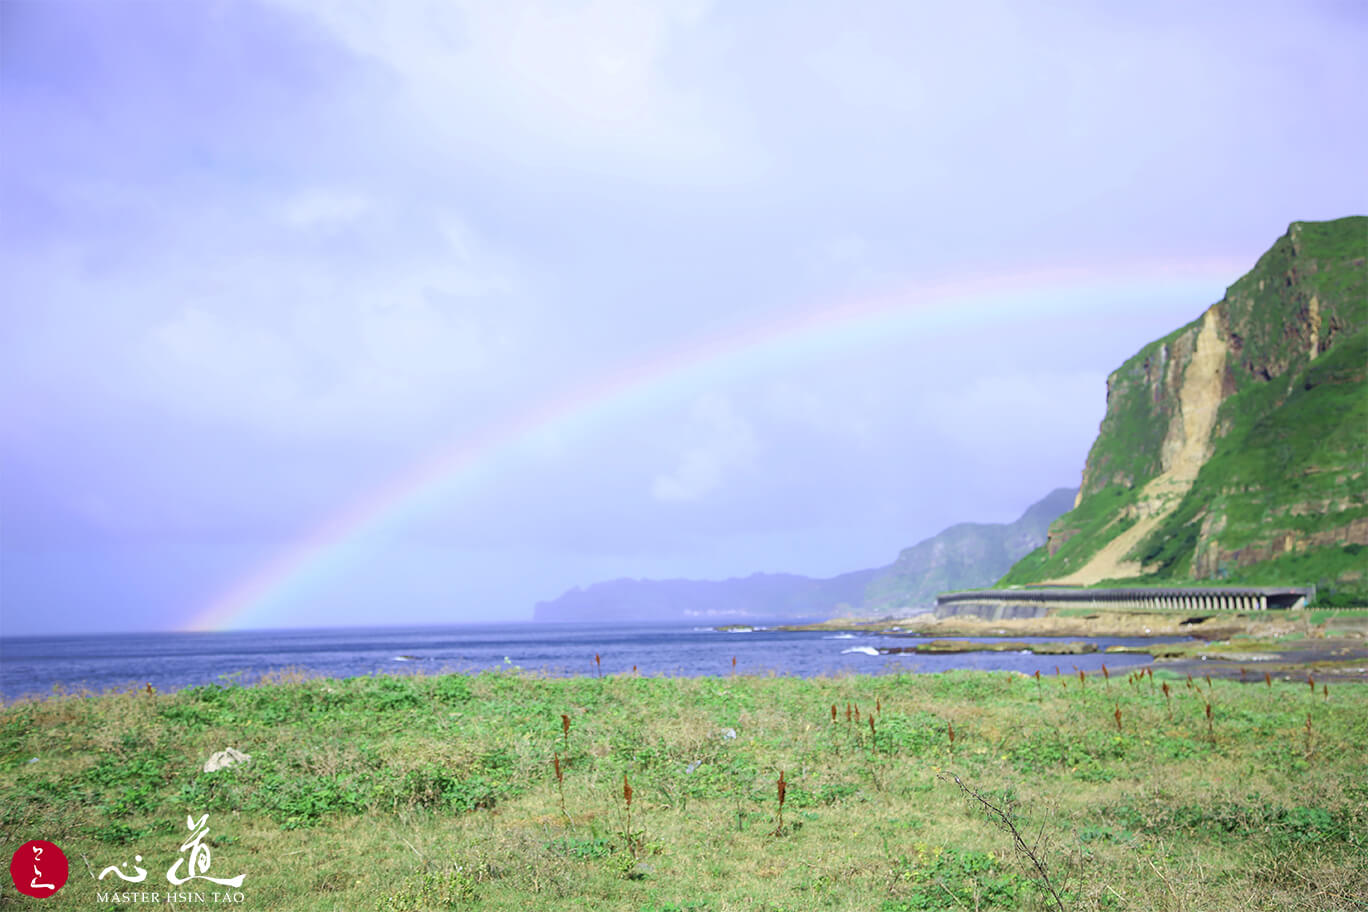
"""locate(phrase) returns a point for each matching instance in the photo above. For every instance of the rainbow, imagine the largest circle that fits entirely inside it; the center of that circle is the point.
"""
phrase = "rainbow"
(262, 598)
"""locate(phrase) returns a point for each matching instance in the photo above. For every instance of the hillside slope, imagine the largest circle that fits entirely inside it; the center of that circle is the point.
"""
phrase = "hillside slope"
(1235, 449)
(760, 595)
(962, 557)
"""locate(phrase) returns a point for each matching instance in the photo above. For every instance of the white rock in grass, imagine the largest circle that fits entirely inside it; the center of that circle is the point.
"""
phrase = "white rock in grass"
(225, 758)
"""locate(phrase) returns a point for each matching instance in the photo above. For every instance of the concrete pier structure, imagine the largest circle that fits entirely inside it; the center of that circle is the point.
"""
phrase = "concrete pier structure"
(996, 604)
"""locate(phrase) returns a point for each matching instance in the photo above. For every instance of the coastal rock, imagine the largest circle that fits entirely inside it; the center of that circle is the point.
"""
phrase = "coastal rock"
(224, 758)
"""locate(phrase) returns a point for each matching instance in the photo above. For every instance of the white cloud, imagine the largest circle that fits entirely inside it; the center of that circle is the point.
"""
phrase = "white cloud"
(547, 79)
(1027, 408)
(325, 209)
(724, 442)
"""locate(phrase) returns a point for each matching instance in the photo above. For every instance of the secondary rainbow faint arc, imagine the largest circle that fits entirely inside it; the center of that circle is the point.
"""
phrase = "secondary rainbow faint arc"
(868, 321)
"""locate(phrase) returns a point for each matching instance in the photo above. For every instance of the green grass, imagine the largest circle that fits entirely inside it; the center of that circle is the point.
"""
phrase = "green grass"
(439, 792)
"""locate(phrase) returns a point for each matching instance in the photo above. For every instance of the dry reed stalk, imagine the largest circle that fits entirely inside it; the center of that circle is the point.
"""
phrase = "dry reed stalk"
(1325, 692)
(950, 729)
(1082, 678)
(1208, 680)
(1037, 680)
(1243, 671)
(783, 789)
(1311, 682)
(878, 706)
(1117, 714)
(733, 664)
(857, 713)
(833, 713)
(1308, 734)
(560, 783)
(1106, 676)
(565, 732)
(1210, 731)
(1168, 700)
(847, 712)
(872, 737)
(627, 797)
(598, 664)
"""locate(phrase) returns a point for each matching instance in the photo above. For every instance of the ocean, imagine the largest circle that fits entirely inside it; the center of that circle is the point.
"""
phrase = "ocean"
(43, 665)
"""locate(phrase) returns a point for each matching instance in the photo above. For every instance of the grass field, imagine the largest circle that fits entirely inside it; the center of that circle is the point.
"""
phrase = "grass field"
(402, 793)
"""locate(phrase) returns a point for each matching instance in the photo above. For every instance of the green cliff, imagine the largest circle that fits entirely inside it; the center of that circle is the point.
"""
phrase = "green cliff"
(1235, 449)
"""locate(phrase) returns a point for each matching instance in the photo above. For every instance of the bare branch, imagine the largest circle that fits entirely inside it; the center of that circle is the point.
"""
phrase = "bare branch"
(1007, 825)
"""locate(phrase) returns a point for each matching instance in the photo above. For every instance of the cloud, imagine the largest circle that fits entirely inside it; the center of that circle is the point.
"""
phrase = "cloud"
(1032, 408)
(596, 85)
(325, 209)
(724, 441)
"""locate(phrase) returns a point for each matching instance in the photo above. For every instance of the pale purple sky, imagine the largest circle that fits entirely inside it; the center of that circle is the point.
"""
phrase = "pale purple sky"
(259, 260)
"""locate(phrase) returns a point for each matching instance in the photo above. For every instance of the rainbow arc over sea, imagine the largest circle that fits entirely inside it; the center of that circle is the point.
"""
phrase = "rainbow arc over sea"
(264, 595)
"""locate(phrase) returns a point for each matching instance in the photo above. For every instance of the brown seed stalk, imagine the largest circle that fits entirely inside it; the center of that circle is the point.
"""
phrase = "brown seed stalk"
(782, 789)
(560, 783)
(1117, 714)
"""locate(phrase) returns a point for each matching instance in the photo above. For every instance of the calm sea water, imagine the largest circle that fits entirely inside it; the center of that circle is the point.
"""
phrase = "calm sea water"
(37, 665)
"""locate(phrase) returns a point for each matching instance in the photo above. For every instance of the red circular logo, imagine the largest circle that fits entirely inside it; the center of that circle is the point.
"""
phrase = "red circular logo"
(39, 869)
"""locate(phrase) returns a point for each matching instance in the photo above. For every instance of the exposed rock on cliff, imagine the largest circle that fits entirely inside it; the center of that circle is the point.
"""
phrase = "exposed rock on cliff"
(1236, 447)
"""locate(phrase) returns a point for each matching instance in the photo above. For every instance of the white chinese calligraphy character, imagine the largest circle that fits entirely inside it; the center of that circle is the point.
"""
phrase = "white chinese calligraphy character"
(116, 871)
(34, 884)
(199, 857)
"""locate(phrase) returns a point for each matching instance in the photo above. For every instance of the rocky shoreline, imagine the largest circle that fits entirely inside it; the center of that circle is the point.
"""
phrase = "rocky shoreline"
(1286, 645)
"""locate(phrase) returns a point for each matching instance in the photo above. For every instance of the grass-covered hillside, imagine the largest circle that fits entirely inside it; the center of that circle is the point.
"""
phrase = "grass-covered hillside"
(1281, 496)
(386, 793)
(964, 556)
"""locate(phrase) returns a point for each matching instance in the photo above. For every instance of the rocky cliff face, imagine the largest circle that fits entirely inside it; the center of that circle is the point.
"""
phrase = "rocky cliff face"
(1235, 447)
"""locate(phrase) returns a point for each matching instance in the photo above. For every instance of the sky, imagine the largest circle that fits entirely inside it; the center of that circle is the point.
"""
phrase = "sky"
(327, 312)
